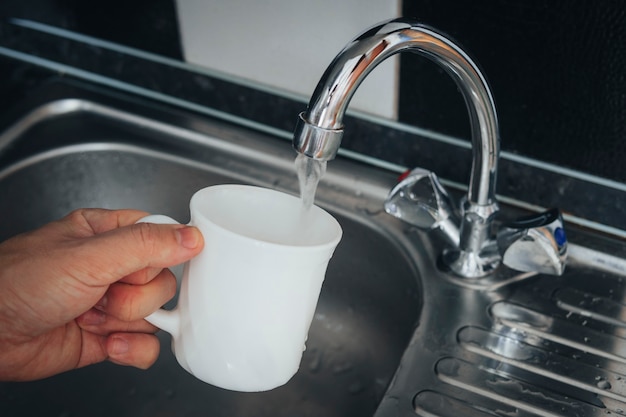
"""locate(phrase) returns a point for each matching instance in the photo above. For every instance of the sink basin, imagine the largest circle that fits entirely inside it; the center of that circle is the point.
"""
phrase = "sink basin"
(392, 335)
(72, 153)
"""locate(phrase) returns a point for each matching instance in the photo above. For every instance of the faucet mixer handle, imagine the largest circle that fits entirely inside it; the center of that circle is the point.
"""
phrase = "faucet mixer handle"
(535, 243)
(420, 200)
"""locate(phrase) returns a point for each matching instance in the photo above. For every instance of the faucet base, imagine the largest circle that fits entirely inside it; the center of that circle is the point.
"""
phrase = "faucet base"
(470, 264)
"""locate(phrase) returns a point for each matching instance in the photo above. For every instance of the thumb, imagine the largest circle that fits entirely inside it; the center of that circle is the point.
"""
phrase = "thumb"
(117, 253)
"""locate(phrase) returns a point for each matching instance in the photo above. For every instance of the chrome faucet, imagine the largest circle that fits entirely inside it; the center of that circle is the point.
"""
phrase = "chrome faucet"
(320, 128)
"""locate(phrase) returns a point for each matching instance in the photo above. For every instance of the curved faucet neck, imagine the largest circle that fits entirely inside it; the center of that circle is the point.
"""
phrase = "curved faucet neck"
(332, 95)
(319, 129)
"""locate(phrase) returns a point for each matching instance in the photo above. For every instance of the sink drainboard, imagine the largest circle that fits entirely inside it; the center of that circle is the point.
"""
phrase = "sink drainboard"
(553, 347)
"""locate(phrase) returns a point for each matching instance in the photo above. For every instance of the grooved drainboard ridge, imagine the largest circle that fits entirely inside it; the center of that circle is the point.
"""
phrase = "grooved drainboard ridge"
(544, 365)
(493, 387)
(596, 307)
(430, 403)
(562, 333)
(566, 357)
(487, 388)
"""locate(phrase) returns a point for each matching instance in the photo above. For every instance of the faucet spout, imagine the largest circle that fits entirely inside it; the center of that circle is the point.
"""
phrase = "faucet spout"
(320, 128)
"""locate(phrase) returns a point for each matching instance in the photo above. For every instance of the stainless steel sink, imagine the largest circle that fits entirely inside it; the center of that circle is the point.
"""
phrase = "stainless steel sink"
(392, 335)
(76, 153)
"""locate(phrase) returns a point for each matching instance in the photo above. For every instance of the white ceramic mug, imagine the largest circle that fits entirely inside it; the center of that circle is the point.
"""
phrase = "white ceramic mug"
(247, 300)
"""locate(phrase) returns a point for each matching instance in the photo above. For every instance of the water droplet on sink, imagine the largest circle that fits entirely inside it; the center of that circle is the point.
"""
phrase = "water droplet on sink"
(367, 211)
(342, 368)
(520, 316)
(356, 387)
(316, 361)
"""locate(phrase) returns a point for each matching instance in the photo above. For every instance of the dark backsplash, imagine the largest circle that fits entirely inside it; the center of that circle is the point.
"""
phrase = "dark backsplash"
(557, 69)
(149, 25)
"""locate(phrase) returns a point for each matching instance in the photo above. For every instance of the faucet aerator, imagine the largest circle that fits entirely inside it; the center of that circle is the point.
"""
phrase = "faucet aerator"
(316, 142)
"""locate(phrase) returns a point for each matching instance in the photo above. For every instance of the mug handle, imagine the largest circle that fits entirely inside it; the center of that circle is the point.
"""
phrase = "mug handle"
(167, 320)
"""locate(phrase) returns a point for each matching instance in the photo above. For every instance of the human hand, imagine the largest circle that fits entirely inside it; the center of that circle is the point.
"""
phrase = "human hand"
(75, 291)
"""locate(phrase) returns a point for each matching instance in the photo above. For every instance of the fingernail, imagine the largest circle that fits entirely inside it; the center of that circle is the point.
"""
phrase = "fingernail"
(119, 346)
(93, 317)
(188, 237)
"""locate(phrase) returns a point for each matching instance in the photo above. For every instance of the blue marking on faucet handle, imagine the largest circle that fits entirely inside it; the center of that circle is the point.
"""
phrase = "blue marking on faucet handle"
(560, 237)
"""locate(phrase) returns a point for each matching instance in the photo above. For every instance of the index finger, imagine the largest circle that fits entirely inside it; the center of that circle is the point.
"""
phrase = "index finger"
(103, 220)
(112, 245)
(109, 256)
